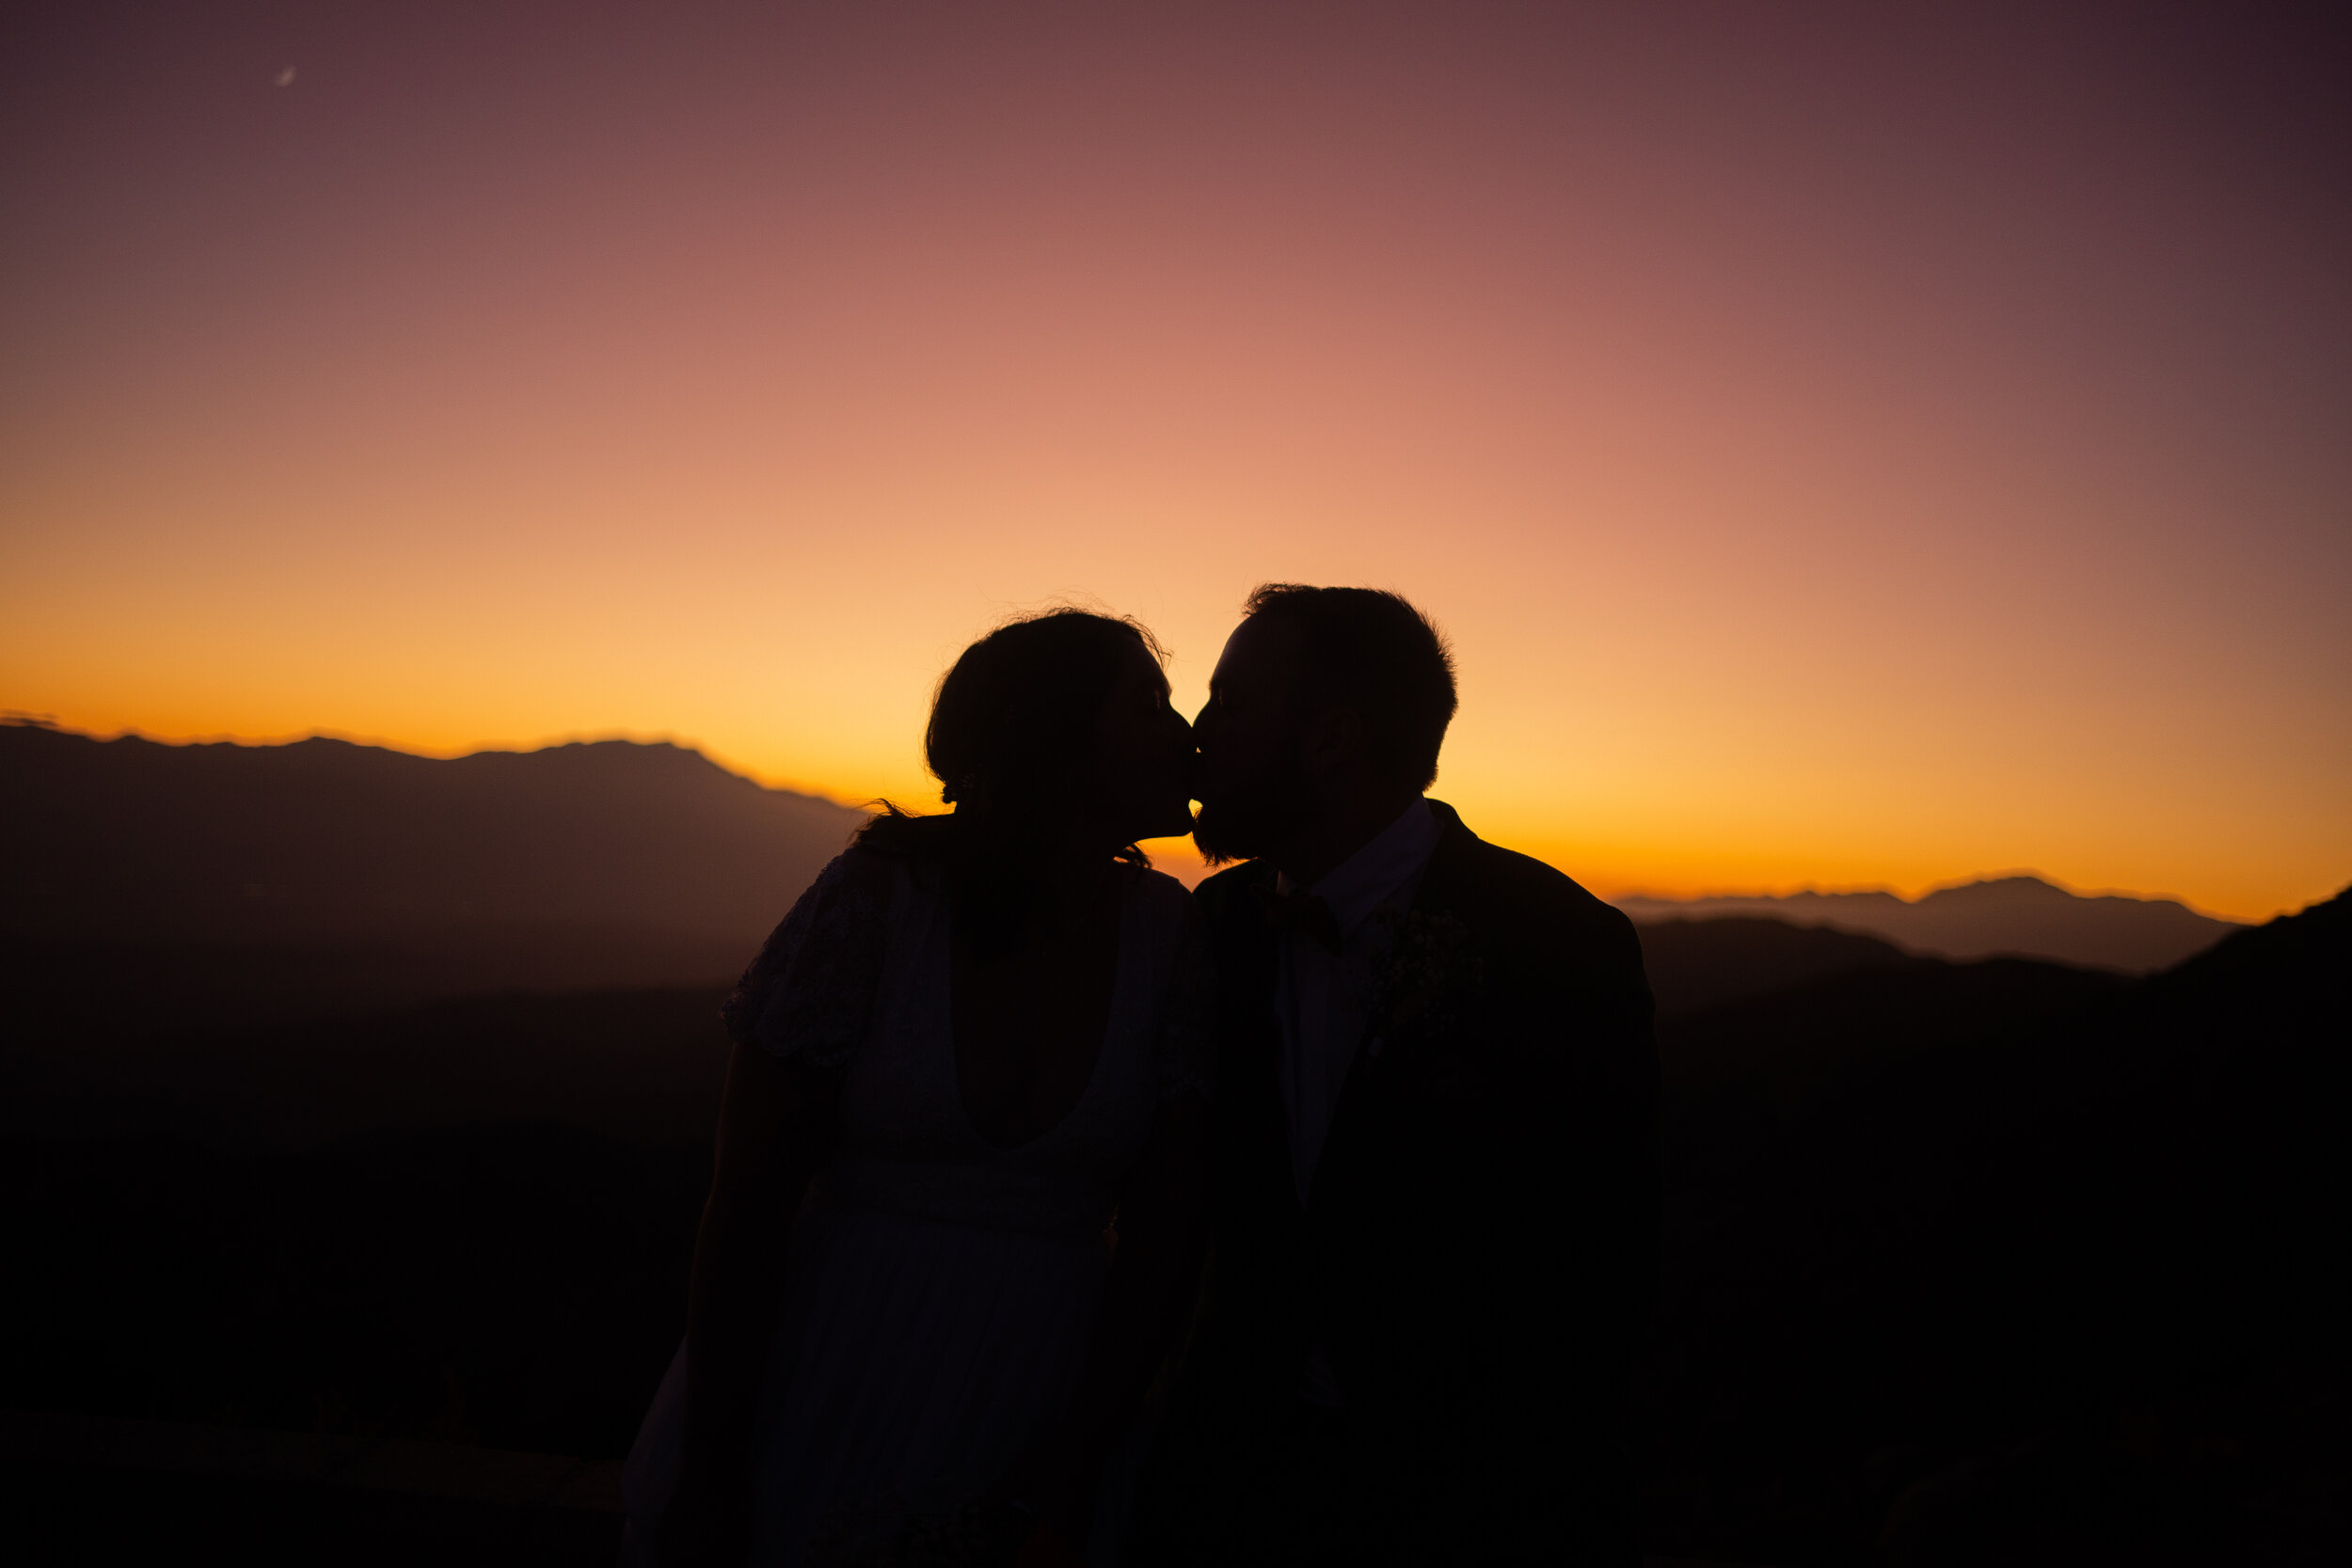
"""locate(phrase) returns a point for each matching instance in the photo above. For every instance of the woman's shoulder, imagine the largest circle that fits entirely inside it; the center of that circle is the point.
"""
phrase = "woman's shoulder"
(805, 994)
(899, 845)
(853, 886)
(1162, 891)
(866, 869)
(1172, 918)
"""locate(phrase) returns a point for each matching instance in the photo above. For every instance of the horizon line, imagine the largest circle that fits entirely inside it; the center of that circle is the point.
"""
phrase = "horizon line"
(20, 717)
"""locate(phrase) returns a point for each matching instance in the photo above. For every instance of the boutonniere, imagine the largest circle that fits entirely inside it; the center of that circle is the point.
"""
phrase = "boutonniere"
(1423, 979)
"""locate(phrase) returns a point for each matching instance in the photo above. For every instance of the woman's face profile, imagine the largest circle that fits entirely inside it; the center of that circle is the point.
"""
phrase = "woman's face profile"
(1143, 753)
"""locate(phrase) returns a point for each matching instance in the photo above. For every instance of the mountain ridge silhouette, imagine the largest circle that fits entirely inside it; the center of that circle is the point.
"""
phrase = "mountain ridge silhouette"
(2017, 915)
(590, 864)
(330, 874)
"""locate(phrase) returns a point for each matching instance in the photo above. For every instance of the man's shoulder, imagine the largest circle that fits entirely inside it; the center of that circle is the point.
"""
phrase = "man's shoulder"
(1488, 883)
(1520, 878)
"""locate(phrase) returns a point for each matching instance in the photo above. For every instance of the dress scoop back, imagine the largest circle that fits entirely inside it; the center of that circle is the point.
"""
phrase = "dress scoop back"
(942, 1289)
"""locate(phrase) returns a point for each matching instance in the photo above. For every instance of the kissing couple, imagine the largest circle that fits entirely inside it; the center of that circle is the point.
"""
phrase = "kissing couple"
(1061, 1215)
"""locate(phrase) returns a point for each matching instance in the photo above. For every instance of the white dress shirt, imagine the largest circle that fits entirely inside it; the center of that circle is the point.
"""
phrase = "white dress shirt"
(1323, 999)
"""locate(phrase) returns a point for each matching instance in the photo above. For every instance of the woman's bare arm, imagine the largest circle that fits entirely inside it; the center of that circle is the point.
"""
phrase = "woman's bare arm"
(776, 1127)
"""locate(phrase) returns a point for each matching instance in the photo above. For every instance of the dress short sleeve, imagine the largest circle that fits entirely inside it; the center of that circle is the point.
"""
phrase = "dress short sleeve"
(809, 994)
(1187, 1049)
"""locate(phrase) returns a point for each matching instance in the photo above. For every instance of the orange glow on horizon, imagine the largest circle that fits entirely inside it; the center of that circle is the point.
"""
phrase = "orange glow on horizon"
(1846, 452)
(1665, 869)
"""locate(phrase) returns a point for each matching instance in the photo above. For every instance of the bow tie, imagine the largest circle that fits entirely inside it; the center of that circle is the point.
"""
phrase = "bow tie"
(1303, 912)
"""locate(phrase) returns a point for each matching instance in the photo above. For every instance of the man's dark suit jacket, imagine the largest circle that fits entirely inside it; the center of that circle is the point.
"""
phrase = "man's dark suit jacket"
(1478, 1251)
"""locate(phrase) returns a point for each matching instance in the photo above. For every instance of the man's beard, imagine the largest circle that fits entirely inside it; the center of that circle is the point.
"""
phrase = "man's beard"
(1255, 817)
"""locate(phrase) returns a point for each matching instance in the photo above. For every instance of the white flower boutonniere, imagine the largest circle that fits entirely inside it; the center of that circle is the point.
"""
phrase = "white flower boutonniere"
(1423, 982)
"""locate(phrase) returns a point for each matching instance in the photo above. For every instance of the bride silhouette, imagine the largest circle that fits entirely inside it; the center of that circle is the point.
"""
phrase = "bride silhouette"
(977, 1040)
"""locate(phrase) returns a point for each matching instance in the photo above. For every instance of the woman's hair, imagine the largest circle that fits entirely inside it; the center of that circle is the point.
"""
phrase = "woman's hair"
(1012, 720)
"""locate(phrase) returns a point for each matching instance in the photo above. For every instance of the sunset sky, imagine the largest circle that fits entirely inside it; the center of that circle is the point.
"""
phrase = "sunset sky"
(1848, 445)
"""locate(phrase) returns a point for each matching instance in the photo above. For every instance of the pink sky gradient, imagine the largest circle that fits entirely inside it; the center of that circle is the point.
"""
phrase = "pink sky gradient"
(1849, 445)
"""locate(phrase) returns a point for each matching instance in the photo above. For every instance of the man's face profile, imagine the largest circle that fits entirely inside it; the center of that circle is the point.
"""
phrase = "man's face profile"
(1254, 790)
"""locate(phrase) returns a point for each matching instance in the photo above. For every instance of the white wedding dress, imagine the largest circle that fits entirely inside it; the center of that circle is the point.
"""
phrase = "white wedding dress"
(941, 1291)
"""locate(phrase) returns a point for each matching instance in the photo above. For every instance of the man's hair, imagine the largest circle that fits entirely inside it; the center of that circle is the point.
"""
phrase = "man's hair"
(1371, 650)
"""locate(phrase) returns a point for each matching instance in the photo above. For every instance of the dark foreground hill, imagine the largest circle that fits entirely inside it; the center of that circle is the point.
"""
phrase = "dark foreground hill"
(173, 1040)
(2004, 1264)
(325, 876)
(1997, 1262)
(2007, 916)
(644, 1067)
(1694, 965)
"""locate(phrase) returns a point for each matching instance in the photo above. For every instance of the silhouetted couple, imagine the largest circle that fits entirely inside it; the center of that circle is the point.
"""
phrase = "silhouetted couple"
(1061, 1217)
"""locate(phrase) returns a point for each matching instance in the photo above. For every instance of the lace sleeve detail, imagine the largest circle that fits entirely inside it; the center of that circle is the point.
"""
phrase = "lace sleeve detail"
(809, 993)
(1187, 1063)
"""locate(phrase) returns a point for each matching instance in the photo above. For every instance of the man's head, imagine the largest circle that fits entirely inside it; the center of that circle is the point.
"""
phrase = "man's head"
(1327, 701)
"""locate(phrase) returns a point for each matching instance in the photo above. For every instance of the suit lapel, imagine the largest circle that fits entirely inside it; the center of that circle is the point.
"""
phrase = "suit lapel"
(1439, 884)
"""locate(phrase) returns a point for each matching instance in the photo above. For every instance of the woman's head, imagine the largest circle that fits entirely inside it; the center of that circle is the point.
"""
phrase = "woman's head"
(1057, 726)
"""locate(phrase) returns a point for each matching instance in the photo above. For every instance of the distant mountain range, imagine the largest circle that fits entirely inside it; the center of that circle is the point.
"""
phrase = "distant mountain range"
(386, 877)
(246, 883)
(2015, 916)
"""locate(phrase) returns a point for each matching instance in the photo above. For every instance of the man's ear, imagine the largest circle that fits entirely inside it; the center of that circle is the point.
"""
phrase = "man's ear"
(1333, 741)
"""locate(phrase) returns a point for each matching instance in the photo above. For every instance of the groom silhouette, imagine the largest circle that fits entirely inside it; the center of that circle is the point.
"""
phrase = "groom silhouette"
(1434, 1198)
